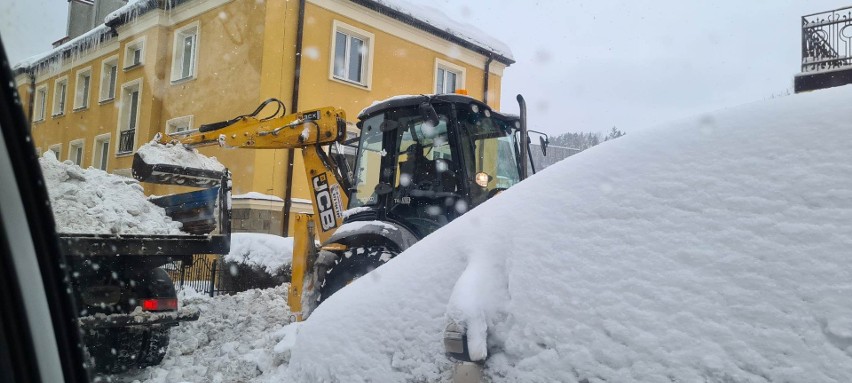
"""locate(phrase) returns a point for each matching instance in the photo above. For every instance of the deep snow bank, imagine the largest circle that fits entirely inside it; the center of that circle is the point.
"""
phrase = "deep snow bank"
(231, 341)
(713, 249)
(94, 201)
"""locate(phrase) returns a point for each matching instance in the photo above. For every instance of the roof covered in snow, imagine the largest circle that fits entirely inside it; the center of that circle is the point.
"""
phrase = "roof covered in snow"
(434, 21)
(96, 36)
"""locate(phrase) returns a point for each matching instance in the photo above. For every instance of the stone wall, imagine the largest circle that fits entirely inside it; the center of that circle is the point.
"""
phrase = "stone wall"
(257, 216)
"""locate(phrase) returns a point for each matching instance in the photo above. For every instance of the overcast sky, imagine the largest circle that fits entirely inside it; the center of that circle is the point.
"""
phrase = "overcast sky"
(588, 65)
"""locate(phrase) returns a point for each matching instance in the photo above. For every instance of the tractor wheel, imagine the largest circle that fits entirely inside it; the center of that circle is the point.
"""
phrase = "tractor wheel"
(155, 346)
(353, 264)
(114, 350)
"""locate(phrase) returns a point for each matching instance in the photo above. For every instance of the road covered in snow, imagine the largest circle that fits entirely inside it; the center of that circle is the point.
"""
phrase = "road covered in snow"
(713, 249)
(232, 340)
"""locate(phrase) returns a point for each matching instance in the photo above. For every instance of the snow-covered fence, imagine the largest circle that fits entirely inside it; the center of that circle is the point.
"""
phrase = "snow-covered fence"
(203, 275)
(827, 40)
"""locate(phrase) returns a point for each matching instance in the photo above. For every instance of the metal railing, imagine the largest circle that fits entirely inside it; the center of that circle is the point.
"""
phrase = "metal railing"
(827, 40)
(203, 275)
(125, 141)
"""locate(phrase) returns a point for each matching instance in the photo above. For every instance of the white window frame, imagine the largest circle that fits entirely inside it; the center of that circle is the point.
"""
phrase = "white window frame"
(447, 66)
(60, 102)
(81, 101)
(128, 56)
(40, 107)
(367, 65)
(191, 30)
(105, 79)
(56, 149)
(124, 120)
(173, 124)
(98, 155)
(72, 146)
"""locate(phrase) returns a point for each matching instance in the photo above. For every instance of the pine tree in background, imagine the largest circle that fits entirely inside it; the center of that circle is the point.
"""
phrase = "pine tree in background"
(613, 134)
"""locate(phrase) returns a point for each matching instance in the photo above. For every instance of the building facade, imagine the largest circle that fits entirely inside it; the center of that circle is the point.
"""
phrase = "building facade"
(171, 65)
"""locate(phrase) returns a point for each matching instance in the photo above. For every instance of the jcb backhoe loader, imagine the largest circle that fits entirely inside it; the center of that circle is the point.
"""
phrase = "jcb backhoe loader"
(421, 162)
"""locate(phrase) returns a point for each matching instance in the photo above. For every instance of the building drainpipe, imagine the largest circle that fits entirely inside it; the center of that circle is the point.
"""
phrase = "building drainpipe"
(294, 107)
(31, 97)
(485, 86)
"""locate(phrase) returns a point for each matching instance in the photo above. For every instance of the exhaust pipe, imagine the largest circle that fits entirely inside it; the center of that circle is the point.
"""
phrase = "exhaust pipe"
(525, 139)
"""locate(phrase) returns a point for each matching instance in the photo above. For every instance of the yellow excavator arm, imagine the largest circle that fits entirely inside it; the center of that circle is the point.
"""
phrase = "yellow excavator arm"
(291, 131)
(307, 130)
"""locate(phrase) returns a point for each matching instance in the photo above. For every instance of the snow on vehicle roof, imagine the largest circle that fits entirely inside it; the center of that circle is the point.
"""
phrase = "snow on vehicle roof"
(713, 249)
(92, 201)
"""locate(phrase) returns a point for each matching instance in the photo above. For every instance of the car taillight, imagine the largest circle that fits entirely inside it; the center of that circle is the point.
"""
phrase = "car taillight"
(159, 304)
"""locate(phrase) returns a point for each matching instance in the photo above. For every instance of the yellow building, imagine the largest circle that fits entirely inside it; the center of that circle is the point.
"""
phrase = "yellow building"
(171, 65)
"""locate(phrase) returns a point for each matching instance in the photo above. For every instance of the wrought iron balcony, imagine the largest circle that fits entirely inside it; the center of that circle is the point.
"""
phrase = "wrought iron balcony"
(827, 41)
(125, 141)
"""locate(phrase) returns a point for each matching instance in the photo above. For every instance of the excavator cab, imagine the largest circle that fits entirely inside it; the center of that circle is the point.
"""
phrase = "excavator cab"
(424, 160)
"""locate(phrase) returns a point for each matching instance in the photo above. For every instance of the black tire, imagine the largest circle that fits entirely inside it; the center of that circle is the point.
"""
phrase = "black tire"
(154, 347)
(359, 262)
(114, 350)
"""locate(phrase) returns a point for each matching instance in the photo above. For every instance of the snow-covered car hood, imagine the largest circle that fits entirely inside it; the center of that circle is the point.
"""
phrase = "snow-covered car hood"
(712, 249)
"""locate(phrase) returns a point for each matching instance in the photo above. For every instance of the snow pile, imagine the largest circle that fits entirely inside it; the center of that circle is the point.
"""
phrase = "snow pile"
(94, 201)
(260, 196)
(265, 251)
(177, 154)
(714, 249)
(230, 342)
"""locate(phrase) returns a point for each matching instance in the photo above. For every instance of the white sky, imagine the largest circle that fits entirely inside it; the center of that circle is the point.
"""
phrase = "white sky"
(588, 65)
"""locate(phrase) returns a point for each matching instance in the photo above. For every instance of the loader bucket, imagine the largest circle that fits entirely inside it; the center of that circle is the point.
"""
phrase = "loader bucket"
(174, 174)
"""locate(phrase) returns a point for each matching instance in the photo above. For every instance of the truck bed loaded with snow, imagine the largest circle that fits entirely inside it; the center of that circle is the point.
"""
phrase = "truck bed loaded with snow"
(116, 239)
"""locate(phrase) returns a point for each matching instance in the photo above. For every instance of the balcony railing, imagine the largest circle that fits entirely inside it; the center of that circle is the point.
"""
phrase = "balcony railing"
(827, 40)
(125, 141)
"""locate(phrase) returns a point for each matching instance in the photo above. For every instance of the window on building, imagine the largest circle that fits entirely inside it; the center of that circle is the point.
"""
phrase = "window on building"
(129, 116)
(101, 152)
(40, 103)
(75, 152)
(81, 87)
(109, 76)
(178, 125)
(352, 50)
(448, 77)
(59, 94)
(134, 54)
(185, 53)
(56, 149)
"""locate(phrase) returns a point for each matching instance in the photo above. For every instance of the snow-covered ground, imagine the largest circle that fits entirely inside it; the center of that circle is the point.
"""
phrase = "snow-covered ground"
(232, 340)
(94, 201)
(713, 249)
(264, 251)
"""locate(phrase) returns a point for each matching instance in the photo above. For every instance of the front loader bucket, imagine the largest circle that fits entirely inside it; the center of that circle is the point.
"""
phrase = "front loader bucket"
(174, 174)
